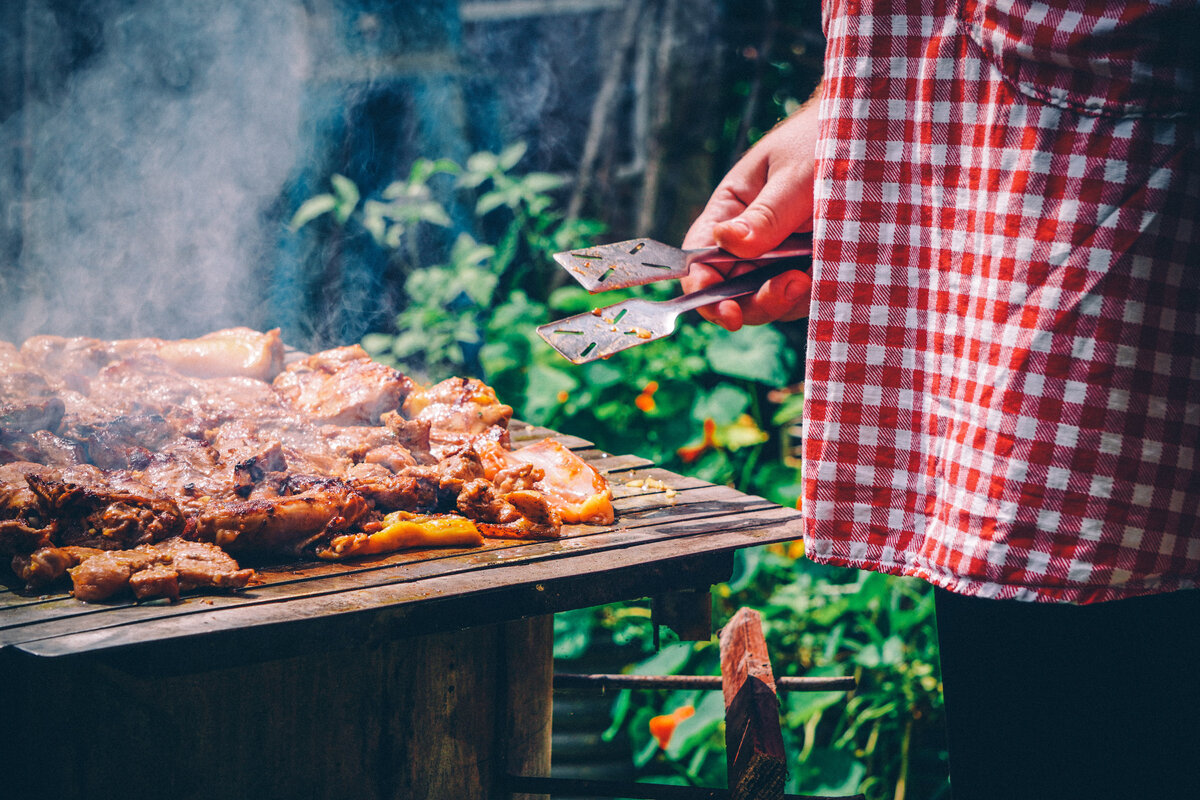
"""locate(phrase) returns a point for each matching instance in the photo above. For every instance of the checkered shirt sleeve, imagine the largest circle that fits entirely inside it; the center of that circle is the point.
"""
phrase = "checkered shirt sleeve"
(1004, 342)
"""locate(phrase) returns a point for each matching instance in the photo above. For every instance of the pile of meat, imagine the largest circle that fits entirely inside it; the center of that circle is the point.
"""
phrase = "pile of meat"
(148, 465)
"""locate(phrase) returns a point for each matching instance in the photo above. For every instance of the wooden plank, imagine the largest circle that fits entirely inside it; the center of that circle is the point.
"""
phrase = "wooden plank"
(535, 587)
(521, 433)
(753, 740)
(679, 539)
(710, 502)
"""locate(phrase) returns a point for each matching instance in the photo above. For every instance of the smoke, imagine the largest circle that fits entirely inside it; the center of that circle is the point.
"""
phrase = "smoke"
(136, 179)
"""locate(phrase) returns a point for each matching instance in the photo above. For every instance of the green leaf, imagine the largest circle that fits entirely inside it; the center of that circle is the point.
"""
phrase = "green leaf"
(434, 214)
(423, 169)
(376, 343)
(506, 248)
(601, 375)
(828, 771)
(698, 728)
(482, 162)
(511, 155)
(347, 196)
(746, 565)
(723, 405)
(801, 706)
(757, 353)
(489, 202)
(541, 182)
(668, 661)
(790, 410)
(571, 300)
(312, 208)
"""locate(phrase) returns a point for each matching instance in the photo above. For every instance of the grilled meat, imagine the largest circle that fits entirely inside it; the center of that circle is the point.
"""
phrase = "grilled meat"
(119, 446)
(161, 570)
(343, 386)
(108, 510)
(458, 410)
(285, 524)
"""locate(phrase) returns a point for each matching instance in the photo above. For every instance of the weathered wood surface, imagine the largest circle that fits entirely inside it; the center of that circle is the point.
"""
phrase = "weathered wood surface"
(681, 537)
(753, 740)
(442, 716)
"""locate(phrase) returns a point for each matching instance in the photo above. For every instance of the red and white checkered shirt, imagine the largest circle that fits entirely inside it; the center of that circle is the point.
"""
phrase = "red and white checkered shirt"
(1004, 342)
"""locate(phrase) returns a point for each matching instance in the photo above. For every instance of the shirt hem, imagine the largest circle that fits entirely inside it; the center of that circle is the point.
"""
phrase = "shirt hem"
(1035, 593)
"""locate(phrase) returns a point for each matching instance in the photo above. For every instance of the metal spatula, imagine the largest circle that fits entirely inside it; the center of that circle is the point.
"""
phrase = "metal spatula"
(600, 333)
(639, 261)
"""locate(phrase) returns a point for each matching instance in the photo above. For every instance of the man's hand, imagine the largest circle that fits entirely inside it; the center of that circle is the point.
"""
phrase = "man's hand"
(767, 196)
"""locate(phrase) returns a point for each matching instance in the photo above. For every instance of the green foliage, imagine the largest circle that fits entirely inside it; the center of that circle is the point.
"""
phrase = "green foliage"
(695, 403)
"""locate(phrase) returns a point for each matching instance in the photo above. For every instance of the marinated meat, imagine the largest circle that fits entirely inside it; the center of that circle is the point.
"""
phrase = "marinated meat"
(111, 511)
(119, 446)
(162, 570)
(285, 524)
(518, 515)
(46, 565)
(577, 490)
(104, 575)
(24, 526)
(343, 386)
(202, 565)
(458, 410)
(220, 354)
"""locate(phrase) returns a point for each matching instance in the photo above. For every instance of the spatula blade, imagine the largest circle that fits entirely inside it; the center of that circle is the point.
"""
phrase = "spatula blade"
(605, 331)
(620, 265)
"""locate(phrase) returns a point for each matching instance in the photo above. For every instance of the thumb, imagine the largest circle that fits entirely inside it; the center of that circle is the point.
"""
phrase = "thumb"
(776, 213)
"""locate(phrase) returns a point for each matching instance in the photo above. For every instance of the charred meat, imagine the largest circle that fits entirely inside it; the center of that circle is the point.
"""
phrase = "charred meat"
(143, 465)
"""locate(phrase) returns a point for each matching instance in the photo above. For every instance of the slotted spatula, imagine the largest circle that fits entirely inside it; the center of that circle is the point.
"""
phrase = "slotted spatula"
(600, 333)
(640, 261)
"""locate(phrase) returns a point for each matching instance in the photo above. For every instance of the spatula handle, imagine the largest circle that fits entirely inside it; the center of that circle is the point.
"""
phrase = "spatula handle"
(795, 246)
(746, 283)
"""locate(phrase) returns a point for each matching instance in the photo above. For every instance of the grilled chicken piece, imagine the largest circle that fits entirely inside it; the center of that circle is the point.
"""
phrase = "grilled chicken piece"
(191, 473)
(203, 565)
(230, 352)
(286, 524)
(388, 491)
(45, 565)
(517, 515)
(69, 363)
(577, 490)
(102, 576)
(161, 570)
(41, 447)
(23, 524)
(109, 510)
(457, 410)
(343, 386)
(411, 434)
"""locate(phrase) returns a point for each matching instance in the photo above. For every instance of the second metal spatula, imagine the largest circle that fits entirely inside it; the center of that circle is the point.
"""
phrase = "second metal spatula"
(640, 261)
(600, 333)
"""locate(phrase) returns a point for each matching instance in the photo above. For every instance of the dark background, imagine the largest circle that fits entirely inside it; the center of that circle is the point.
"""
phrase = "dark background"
(152, 152)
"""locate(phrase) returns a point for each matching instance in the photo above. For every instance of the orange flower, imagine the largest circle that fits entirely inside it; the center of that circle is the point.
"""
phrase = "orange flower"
(563, 396)
(690, 453)
(662, 727)
(645, 400)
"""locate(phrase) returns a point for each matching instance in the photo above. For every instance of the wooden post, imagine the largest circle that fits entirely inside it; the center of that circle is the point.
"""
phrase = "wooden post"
(753, 740)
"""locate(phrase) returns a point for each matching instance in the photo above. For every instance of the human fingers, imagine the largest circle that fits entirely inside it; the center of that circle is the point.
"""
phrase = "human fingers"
(782, 298)
(783, 206)
(727, 313)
